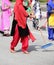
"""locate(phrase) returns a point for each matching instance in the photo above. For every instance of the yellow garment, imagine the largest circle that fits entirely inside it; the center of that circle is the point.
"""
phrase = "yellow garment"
(51, 20)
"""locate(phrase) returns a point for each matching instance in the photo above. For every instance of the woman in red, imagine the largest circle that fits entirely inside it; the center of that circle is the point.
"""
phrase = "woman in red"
(22, 32)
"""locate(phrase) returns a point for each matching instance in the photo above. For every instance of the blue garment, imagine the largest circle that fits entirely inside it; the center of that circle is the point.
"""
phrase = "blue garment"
(50, 3)
(50, 33)
(50, 6)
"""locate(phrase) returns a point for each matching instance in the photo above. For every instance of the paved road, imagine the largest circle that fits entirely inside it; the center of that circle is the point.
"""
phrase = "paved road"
(36, 56)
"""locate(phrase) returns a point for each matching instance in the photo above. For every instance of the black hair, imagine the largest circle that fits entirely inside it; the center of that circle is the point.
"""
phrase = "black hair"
(10, 0)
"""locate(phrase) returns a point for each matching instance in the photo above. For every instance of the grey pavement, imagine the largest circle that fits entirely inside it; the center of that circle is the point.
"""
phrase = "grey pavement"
(36, 56)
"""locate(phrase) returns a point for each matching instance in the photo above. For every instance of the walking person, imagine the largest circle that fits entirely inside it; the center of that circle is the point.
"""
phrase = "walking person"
(50, 19)
(37, 13)
(21, 30)
(6, 13)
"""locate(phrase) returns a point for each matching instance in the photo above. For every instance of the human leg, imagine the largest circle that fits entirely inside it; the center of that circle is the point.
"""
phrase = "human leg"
(34, 22)
(24, 41)
(6, 23)
(50, 33)
(15, 40)
(53, 34)
(37, 24)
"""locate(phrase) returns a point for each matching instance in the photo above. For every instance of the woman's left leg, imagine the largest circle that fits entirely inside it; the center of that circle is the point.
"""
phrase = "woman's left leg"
(24, 41)
(50, 33)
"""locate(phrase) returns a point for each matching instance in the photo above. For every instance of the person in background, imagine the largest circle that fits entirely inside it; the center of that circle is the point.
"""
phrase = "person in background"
(37, 13)
(50, 19)
(6, 13)
(21, 30)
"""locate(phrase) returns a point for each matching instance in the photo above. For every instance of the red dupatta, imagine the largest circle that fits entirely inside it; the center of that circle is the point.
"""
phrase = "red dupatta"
(20, 13)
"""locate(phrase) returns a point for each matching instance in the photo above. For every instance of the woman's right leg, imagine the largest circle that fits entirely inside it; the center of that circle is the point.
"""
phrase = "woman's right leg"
(15, 40)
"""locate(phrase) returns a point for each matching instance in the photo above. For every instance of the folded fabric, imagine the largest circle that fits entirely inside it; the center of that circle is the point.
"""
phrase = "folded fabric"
(51, 20)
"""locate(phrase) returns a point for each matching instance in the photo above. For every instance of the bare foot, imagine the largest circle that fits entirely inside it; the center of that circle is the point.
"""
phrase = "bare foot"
(12, 51)
(26, 52)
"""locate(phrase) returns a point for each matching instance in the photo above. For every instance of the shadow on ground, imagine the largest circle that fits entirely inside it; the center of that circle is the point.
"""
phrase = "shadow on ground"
(36, 48)
(31, 48)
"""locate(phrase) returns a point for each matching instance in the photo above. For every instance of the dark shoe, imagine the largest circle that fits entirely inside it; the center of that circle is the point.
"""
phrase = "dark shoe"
(50, 38)
(7, 35)
(1, 32)
(53, 39)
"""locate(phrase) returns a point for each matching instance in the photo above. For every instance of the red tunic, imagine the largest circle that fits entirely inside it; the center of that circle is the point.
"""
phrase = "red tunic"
(21, 16)
(20, 13)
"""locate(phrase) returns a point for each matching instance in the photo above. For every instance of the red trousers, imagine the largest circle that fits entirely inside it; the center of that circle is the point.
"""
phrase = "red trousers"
(16, 39)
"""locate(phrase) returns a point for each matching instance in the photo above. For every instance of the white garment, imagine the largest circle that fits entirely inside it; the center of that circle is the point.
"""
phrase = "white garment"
(37, 10)
(33, 2)
(37, 14)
